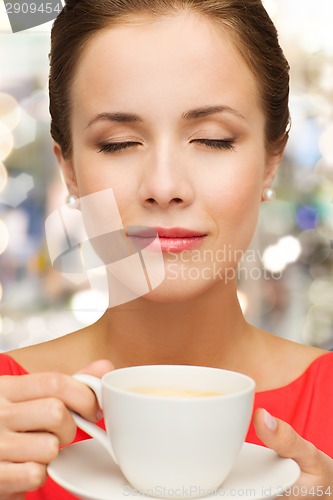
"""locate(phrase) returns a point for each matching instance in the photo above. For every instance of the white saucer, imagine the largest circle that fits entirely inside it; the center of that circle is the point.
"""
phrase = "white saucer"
(87, 471)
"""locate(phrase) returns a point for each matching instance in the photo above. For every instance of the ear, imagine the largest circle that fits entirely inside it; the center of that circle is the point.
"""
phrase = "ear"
(67, 170)
(272, 164)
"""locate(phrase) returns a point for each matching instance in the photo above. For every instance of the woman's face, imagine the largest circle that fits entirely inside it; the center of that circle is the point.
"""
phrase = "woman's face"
(166, 113)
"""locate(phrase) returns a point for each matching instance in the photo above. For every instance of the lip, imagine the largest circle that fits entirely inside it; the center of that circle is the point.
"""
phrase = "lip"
(174, 239)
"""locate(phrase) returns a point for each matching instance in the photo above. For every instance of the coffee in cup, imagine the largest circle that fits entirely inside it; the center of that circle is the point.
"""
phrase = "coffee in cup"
(173, 392)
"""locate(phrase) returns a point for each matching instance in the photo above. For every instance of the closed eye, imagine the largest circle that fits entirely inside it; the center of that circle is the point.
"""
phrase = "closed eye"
(217, 143)
(113, 147)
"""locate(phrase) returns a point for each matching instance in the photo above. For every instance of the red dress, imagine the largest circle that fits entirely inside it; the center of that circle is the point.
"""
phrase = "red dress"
(306, 403)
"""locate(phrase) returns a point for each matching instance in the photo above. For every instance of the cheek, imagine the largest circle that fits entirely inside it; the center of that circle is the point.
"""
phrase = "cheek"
(92, 176)
(235, 192)
(234, 203)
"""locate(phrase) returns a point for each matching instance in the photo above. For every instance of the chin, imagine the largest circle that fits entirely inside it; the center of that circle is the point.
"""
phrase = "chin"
(179, 290)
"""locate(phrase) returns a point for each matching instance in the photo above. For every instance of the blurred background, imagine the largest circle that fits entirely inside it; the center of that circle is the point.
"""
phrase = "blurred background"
(286, 278)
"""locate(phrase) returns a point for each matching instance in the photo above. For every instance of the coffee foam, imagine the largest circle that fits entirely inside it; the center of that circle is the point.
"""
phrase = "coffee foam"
(174, 392)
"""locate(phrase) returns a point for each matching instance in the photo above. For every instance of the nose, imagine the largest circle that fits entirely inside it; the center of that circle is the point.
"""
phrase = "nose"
(165, 182)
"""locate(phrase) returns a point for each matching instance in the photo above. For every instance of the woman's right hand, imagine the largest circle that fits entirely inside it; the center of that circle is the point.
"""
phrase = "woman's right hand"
(35, 421)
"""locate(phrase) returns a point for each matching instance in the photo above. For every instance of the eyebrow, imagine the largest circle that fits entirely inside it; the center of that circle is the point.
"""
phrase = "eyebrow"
(116, 117)
(189, 115)
(211, 110)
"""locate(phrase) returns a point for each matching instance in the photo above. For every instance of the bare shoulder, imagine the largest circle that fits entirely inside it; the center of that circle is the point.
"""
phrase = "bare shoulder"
(64, 354)
(288, 360)
(300, 353)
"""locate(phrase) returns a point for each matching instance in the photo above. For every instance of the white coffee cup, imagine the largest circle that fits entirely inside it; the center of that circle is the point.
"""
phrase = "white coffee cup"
(172, 444)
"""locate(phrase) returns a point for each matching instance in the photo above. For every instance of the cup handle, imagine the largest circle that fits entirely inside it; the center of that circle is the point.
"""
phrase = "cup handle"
(95, 384)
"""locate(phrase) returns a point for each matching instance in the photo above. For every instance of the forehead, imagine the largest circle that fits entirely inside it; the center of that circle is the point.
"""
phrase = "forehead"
(181, 60)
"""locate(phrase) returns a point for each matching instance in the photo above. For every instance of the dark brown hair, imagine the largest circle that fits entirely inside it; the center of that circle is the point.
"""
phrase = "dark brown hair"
(246, 20)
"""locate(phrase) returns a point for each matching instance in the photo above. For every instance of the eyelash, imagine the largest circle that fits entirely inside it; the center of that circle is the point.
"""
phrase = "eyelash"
(217, 143)
(114, 147)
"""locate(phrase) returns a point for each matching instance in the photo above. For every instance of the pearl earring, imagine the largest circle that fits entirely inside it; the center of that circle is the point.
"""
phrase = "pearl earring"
(72, 201)
(268, 194)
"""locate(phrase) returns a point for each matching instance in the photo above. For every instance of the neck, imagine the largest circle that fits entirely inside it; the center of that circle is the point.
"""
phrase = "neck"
(209, 330)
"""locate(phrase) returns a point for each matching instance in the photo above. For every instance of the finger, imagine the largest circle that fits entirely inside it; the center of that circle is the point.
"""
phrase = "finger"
(72, 393)
(18, 478)
(14, 496)
(282, 438)
(98, 368)
(40, 447)
(49, 414)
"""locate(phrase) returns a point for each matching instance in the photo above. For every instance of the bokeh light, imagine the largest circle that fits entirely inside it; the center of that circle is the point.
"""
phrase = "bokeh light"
(321, 294)
(276, 257)
(36, 105)
(4, 236)
(26, 131)
(315, 248)
(35, 325)
(6, 141)
(10, 111)
(88, 306)
(3, 176)
(243, 301)
(317, 329)
(326, 144)
(306, 217)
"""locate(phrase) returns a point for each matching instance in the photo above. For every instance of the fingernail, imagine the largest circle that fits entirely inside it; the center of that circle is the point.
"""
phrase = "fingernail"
(99, 414)
(270, 421)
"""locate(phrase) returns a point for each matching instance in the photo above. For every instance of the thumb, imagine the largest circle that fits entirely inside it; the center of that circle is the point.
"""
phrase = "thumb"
(282, 438)
(98, 368)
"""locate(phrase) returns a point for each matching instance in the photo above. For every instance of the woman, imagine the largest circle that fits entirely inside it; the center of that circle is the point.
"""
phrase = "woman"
(181, 107)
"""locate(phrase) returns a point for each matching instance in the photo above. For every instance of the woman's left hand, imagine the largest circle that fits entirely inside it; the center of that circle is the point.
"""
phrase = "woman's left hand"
(316, 479)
